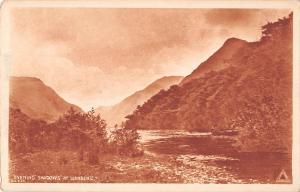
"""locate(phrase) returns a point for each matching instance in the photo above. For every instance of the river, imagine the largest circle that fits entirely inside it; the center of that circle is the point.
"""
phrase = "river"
(216, 158)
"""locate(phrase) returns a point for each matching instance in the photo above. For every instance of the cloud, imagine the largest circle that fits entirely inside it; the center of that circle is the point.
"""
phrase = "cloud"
(95, 57)
(86, 85)
(72, 82)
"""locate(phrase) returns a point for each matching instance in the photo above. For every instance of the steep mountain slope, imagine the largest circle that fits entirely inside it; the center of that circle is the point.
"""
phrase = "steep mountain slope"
(249, 99)
(37, 100)
(116, 114)
(219, 60)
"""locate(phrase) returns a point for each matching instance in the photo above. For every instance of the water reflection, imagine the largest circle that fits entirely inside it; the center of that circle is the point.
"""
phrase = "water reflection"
(199, 149)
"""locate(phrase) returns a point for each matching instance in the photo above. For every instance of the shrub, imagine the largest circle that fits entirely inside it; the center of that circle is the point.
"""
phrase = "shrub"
(124, 141)
(82, 133)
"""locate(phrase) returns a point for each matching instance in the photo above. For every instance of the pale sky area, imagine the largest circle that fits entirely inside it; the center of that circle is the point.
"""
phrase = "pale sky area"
(97, 57)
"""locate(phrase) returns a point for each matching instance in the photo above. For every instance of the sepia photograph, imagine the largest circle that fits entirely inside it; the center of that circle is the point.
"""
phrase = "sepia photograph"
(148, 95)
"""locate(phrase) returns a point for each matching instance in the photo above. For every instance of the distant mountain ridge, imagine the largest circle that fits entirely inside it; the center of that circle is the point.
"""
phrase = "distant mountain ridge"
(37, 100)
(116, 114)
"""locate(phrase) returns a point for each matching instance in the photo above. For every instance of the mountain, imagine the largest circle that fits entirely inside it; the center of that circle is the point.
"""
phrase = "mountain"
(218, 61)
(116, 114)
(37, 100)
(244, 91)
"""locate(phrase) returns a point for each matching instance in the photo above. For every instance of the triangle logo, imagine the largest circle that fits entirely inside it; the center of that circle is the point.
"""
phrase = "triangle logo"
(282, 177)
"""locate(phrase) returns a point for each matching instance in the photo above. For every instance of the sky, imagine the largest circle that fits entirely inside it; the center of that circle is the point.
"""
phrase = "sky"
(97, 57)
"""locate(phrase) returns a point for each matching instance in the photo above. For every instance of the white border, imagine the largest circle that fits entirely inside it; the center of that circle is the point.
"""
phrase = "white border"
(5, 53)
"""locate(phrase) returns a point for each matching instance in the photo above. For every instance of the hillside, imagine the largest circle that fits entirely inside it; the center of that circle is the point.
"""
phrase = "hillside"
(243, 90)
(221, 59)
(37, 100)
(117, 113)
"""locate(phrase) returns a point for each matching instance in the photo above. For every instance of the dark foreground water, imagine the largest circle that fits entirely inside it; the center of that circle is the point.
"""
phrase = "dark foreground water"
(201, 151)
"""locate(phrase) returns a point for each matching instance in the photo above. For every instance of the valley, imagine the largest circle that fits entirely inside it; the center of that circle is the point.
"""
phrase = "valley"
(229, 121)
